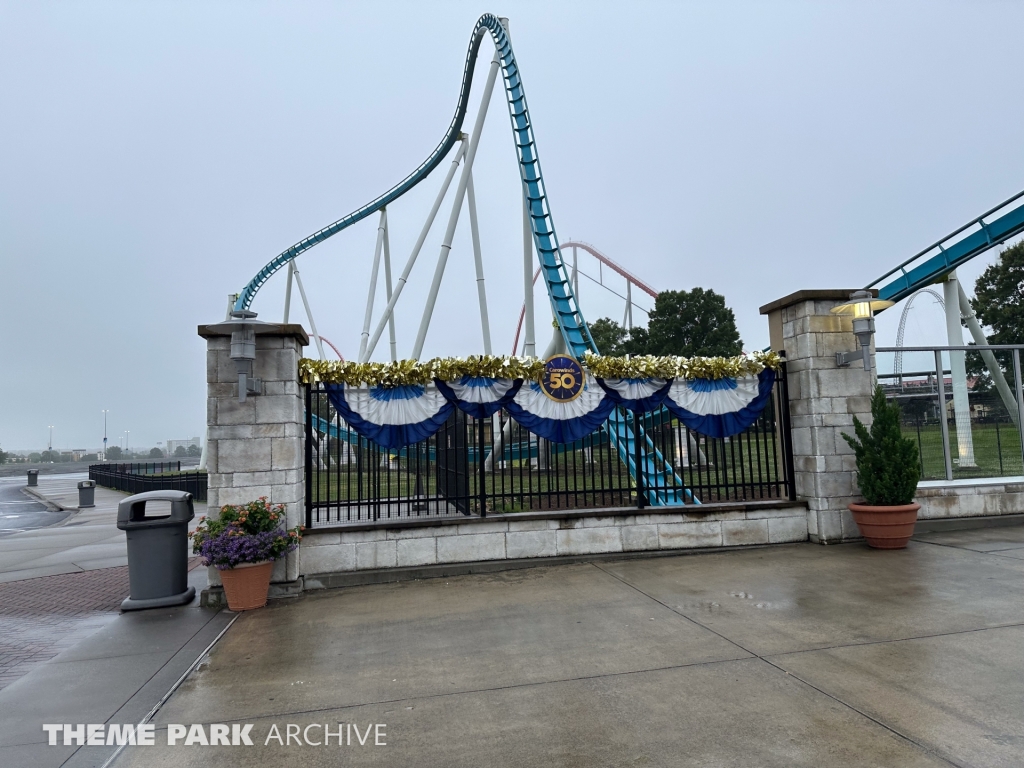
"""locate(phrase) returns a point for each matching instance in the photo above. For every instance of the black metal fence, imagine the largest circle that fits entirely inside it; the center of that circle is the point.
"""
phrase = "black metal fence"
(151, 476)
(979, 436)
(486, 466)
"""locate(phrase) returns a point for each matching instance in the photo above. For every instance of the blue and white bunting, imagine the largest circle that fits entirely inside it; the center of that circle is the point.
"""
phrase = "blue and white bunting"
(640, 395)
(720, 407)
(392, 417)
(479, 396)
(560, 422)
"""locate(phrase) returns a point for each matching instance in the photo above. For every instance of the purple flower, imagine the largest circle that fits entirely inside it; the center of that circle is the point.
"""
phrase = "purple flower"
(234, 547)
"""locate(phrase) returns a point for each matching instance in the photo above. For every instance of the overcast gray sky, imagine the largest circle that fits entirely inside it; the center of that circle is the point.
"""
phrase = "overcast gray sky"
(153, 156)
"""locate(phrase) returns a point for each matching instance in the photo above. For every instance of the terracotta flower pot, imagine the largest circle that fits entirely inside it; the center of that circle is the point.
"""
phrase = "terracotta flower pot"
(886, 527)
(246, 586)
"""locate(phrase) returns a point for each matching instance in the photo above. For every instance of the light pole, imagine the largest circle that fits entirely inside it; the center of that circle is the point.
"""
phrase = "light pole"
(126, 432)
(49, 445)
(105, 412)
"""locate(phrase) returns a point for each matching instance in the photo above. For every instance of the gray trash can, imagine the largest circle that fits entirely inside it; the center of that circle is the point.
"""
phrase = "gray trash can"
(157, 550)
(86, 494)
(33, 477)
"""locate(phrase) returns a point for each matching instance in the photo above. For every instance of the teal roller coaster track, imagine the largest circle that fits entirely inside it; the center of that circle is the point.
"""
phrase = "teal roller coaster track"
(575, 332)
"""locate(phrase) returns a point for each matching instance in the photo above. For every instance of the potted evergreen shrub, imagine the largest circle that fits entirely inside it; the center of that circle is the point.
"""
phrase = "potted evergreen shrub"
(243, 544)
(888, 469)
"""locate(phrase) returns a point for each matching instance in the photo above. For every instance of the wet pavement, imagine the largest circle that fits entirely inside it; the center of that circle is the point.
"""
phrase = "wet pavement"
(796, 655)
(66, 652)
(21, 512)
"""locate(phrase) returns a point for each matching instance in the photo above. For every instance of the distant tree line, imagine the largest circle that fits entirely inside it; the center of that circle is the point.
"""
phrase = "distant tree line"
(693, 323)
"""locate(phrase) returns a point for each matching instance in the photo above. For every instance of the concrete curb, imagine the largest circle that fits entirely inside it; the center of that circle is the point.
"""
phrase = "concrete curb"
(51, 505)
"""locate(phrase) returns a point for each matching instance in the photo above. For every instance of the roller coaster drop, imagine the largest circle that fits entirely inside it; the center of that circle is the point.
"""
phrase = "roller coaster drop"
(573, 335)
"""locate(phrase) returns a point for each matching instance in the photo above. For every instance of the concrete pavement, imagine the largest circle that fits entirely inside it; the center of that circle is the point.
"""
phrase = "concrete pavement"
(83, 540)
(796, 655)
(66, 654)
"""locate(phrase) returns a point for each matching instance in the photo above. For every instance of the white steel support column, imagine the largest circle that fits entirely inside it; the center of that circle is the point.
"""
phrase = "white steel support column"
(288, 291)
(575, 276)
(628, 319)
(403, 279)
(453, 219)
(309, 312)
(1005, 393)
(958, 372)
(478, 260)
(387, 287)
(530, 340)
(368, 315)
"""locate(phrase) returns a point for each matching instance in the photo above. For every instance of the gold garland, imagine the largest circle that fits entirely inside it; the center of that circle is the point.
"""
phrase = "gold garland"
(671, 367)
(404, 372)
(414, 372)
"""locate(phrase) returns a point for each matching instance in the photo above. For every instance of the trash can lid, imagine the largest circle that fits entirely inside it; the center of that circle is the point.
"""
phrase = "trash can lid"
(131, 512)
(87, 484)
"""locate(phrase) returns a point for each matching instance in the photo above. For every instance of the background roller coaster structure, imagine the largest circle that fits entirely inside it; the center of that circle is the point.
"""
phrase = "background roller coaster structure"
(572, 334)
(935, 264)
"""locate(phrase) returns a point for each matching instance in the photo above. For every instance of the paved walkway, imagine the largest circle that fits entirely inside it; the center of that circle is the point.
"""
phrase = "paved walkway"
(66, 653)
(796, 655)
(85, 540)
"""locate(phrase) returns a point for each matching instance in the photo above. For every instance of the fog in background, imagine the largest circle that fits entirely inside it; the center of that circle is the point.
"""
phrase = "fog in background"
(154, 156)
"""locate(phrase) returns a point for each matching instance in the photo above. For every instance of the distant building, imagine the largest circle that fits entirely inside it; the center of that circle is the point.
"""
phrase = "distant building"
(172, 445)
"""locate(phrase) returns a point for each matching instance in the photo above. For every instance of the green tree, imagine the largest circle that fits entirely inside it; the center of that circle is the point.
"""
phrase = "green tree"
(156, 453)
(888, 467)
(49, 456)
(180, 451)
(35, 458)
(999, 297)
(609, 336)
(3, 456)
(638, 342)
(194, 450)
(114, 453)
(692, 323)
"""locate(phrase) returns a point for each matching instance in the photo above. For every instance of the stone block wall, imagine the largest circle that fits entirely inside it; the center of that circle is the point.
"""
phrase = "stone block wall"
(980, 499)
(538, 535)
(255, 448)
(823, 398)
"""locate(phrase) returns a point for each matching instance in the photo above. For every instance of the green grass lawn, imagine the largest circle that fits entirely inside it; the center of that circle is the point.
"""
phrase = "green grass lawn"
(997, 451)
(602, 481)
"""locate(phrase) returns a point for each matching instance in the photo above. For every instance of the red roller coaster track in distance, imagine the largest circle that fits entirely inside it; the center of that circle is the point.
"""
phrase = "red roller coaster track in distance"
(601, 258)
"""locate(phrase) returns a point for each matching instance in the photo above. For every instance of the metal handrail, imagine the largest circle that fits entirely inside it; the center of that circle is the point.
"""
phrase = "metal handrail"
(961, 348)
(952, 234)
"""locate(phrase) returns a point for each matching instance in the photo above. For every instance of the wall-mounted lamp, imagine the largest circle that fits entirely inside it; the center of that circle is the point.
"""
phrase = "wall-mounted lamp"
(863, 307)
(243, 351)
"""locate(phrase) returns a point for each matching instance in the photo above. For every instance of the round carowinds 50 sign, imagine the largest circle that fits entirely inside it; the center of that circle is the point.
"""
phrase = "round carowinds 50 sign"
(563, 378)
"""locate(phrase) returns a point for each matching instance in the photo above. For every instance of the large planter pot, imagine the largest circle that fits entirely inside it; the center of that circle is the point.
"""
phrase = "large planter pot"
(246, 586)
(886, 527)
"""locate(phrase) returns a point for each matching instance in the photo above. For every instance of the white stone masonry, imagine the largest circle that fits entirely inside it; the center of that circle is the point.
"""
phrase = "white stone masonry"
(256, 447)
(823, 399)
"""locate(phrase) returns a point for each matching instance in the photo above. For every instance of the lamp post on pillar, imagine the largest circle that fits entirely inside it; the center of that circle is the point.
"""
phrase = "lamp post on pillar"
(863, 307)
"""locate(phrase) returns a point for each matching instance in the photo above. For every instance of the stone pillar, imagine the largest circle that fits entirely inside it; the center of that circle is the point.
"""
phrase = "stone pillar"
(823, 399)
(255, 448)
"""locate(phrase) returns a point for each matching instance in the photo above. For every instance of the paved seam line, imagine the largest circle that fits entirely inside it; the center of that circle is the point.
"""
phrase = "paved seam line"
(967, 549)
(173, 688)
(864, 714)
(789, 674)
(449, 694)
(897, 639)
